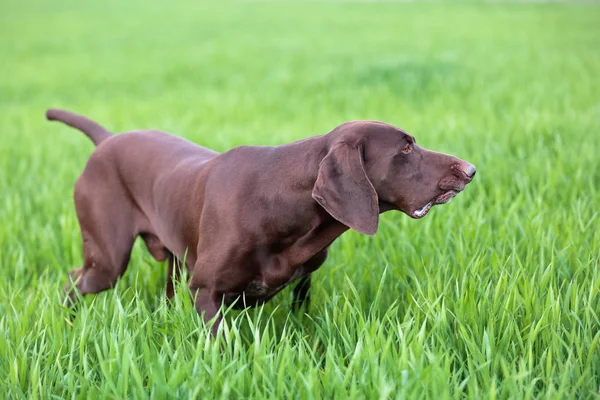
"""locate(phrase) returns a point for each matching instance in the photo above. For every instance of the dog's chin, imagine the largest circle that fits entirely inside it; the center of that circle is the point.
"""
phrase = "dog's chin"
(440, 199)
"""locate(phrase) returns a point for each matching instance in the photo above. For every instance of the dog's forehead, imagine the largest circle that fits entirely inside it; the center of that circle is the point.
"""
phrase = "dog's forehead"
(391, 133)
(405, 135)
(373, 132)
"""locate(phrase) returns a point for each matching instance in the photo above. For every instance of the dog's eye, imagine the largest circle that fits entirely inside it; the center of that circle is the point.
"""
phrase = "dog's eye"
(407, 149)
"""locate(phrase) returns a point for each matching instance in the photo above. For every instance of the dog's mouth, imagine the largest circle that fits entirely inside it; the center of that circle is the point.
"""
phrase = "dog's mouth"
(441, 199)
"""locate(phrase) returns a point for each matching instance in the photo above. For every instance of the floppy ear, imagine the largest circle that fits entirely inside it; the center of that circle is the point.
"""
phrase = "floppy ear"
(344, 191)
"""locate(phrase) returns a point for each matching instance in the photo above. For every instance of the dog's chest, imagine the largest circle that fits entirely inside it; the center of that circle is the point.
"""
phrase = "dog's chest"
(258, 291)
(274, 275)
(259, 288)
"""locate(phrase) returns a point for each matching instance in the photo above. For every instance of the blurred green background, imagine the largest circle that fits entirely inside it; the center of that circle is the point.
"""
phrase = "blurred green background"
(494, 295)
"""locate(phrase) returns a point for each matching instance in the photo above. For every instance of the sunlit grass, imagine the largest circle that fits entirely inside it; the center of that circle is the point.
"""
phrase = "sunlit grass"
(494, 295)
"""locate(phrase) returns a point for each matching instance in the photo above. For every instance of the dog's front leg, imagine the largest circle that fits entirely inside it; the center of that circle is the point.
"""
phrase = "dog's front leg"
(301, 294)
(207, 304)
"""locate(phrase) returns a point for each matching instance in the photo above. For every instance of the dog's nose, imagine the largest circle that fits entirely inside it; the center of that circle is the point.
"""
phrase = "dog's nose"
(470, 170)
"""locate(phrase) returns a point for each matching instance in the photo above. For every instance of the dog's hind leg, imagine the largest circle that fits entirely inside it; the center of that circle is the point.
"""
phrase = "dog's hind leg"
(174, 274)
(108, 231)
(161, 253)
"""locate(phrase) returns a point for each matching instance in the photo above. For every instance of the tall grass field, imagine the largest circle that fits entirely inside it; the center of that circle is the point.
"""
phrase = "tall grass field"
(495, 295)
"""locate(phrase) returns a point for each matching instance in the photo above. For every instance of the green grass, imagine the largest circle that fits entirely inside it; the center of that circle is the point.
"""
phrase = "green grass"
(496, 295)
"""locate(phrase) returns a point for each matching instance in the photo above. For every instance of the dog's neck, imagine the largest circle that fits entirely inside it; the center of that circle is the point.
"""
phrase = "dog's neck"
(301, 162)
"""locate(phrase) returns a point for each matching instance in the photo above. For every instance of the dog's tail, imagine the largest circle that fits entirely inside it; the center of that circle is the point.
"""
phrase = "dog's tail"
(93, 130)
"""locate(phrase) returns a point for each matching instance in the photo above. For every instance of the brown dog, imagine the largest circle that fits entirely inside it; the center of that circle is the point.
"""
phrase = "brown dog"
(251, 220)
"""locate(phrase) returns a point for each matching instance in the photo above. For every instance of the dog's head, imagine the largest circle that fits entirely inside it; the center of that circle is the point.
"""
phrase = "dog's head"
(372, 166)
